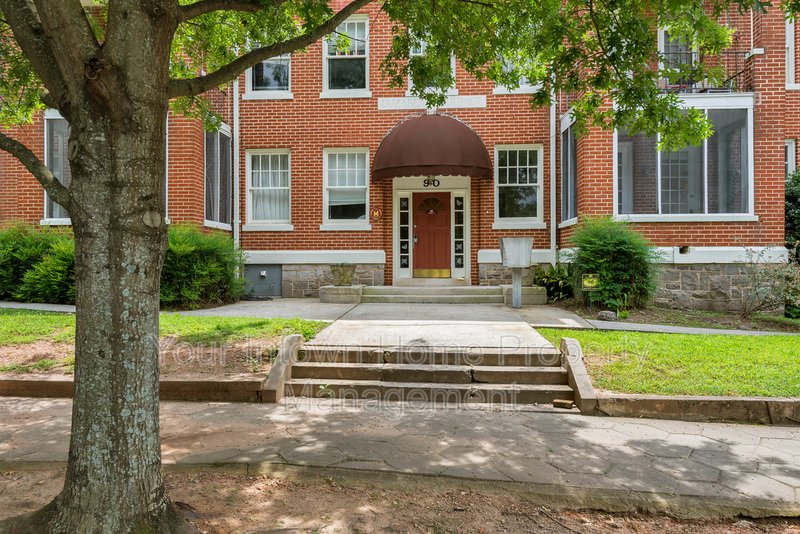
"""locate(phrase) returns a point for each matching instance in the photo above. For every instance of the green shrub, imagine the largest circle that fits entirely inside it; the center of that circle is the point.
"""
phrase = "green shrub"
(51, 280)
(200, 269)
(21, 247)
(556, 280)
(622, 258)
(793, 209)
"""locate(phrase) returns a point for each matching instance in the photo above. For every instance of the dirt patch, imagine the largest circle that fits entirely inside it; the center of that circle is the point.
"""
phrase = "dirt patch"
(178, 359)
(224, 503)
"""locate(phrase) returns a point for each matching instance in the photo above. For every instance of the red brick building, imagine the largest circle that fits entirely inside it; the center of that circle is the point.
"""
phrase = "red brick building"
(292, 174)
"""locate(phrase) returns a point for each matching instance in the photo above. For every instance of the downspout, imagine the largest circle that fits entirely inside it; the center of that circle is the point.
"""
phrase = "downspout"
(553, 245)
(237, 219)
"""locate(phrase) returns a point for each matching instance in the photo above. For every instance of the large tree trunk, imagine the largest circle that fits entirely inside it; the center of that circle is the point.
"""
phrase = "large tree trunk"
(117, 155)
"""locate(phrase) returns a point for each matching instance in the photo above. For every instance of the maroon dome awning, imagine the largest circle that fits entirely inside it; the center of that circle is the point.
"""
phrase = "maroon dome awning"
(431, 145)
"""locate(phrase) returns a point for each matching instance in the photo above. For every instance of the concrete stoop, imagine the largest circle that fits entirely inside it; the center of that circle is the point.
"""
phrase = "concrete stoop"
(427, 294)
(409, 374)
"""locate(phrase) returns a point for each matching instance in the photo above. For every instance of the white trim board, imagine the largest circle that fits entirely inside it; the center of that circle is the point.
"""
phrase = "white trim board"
(492, 255)
(703, 255)
(313, 257)
(413, 102)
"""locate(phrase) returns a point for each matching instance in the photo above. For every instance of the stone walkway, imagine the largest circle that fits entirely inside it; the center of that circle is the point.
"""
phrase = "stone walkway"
(689, 469)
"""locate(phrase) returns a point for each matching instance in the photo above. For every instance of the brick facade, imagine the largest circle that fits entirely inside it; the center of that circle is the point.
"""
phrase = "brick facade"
(307, 124)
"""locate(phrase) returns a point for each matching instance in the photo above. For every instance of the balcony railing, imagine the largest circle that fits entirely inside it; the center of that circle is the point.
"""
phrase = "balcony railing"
(728, 72)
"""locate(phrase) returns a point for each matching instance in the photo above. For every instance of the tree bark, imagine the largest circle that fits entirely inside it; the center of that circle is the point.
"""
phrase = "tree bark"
(116, 150)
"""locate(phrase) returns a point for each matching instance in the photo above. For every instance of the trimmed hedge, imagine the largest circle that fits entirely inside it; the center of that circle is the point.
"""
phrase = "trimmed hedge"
(199, 269)
(623, 259)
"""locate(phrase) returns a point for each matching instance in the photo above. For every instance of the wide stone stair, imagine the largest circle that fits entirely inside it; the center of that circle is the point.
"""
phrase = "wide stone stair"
(449, 295)
(429, 374)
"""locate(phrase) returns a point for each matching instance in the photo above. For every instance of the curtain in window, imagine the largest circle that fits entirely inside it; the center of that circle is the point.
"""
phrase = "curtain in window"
(56, 159)
(269, 187)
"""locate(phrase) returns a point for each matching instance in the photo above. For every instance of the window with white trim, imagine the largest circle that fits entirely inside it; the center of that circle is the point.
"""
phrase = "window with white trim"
(346, 185)
(218, 177)
(418, 51)
(677, 55)
(791, 79)
(524, 86)
(518, 186)
(56, 140)
(713, 178)
(271, 75)
(269, 187)
(569, 174)
(790, 157)
(346, 68)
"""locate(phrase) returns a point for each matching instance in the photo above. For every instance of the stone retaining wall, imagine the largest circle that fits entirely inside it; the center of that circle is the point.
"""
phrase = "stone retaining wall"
(494, 274)
(305, 280)
(710, 286)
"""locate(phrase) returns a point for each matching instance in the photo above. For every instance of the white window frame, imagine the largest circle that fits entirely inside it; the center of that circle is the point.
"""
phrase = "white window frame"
(51, 114)
(225, 129)
(258, 225)
(791, 157)
(567, 121)
(451, 91)
(339, 225)
(526, 223)
(347, 93)
(791, 57)
(523, 89)
(260, 94)
(707, 103)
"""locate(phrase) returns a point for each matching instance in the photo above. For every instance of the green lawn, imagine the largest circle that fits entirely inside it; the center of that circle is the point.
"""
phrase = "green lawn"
(23, 326)
(680, 364)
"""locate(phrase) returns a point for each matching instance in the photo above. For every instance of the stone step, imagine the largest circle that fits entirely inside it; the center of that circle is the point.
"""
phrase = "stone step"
(535, 357)
(450, 374)
(428, 392)
(433, 290)
(433, 299)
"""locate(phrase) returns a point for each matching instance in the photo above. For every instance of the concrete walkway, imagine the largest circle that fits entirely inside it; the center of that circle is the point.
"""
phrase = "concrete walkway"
(313, 309)
(459, 327)
(689, 469)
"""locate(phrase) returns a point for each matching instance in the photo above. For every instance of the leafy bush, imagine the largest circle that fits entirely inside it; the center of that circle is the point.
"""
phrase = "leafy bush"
(200, 269)
(556, 280)
(793, 209)
(21, 247)
(51, 280)
(623, 260)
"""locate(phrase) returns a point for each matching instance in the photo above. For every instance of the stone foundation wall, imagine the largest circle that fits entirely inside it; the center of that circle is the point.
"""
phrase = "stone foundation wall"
(304, 280)
(494, 274)
(710, 286)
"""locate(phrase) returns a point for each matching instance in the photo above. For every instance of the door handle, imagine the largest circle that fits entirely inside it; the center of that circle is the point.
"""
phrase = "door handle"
(415, 239)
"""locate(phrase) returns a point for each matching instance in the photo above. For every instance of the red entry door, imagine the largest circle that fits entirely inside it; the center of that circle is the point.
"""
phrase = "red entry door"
(431, 235)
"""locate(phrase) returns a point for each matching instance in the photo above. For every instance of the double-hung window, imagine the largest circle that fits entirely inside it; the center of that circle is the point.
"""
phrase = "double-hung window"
(56, 140)
(791, 57)
(790, 157)
(419, 50)
(270, 79)
(518, 186)
(569, 172)
(346, 193)
(218, 176)
(524, 87)
(269, 189)
(346, 59)
(712, 180)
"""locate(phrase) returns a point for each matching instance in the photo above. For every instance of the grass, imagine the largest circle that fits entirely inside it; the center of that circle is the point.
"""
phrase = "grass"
(23, 326)
(38, 366)
(682, 364)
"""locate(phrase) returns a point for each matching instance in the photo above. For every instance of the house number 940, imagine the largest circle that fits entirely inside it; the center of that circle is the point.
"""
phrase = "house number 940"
(430, 182)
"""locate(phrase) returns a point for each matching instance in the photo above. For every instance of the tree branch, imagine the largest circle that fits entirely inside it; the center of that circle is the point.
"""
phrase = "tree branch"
(201, 7)
(39, 170)
(201, 84)
(26, 25)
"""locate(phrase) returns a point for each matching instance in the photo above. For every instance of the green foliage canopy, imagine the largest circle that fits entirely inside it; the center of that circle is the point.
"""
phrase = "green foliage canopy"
(593, 50)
